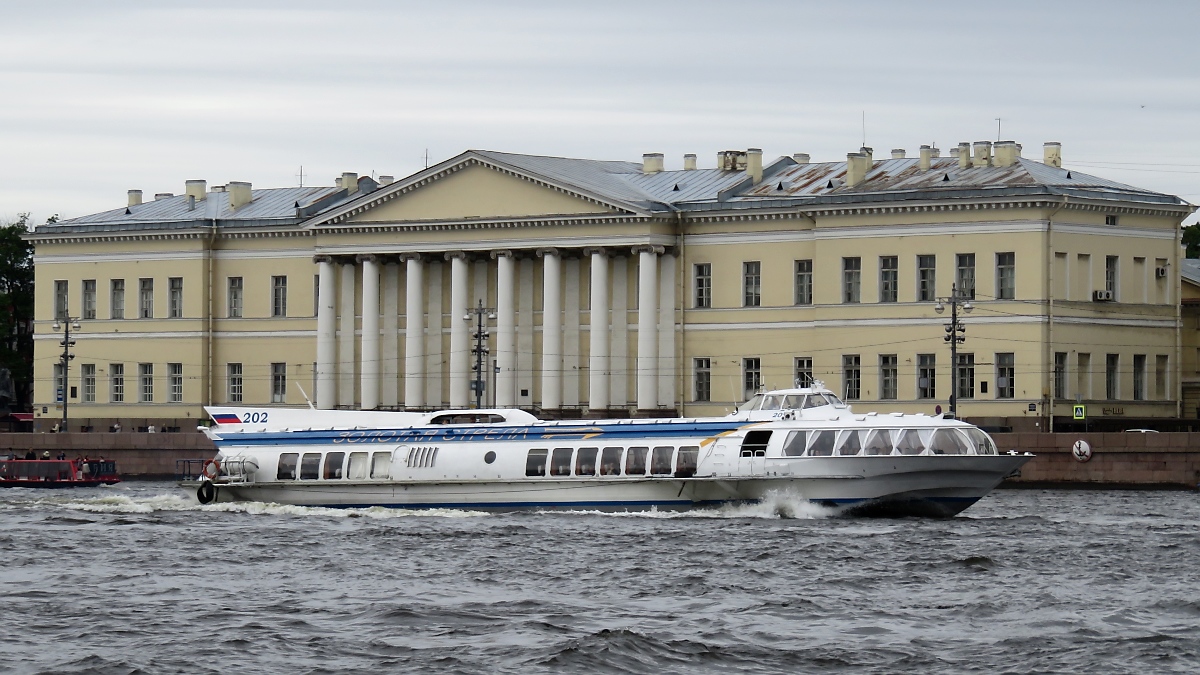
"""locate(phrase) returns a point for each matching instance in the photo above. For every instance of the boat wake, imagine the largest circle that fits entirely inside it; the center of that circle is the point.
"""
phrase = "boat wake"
(157, 503)
(781, 504)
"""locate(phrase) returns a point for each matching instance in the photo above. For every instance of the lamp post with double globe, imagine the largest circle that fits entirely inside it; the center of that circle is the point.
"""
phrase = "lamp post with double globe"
(66, 324)
(955, 335)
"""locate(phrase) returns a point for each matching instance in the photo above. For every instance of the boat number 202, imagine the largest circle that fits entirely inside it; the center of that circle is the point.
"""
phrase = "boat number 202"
(254, 418)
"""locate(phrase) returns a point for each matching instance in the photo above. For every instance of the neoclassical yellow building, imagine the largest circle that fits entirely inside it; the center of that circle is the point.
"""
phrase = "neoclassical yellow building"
(623, 288)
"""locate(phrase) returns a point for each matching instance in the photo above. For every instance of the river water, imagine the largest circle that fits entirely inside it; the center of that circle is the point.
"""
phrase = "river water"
(137, 578)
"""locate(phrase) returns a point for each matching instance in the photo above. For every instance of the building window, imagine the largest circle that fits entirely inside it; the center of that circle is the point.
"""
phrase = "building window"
(60, 300)
(1083, 375)
(803, 282)
(146, 298)
(926, 278)
(965, 377)
(235, 298)
(926, 376)
(889, 278)
(851, 377)
(116, 375)
(1112, 279)
(1160, 377)
(1006, 370)
(702, 369)
(1111, 220)
(278, 296)
(751, 377)
(60, 383)
(1139, 377)
(88, 304)
(278, 383)
(751, 284)
(1060, 374)
(146, 382)
(702, 275)
(1112, 376)
(235, 382)
(88, 373)
(851, 280)
(175, 382)
(803, 371)
(964, 275)
(888, 364)
(117, 299)
(175, 297)
(1006, 276)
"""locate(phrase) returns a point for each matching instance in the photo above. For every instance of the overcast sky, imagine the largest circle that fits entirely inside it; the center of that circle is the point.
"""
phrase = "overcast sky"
(100, 97)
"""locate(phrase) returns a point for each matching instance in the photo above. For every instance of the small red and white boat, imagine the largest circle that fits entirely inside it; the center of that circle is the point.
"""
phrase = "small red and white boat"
(57, 473)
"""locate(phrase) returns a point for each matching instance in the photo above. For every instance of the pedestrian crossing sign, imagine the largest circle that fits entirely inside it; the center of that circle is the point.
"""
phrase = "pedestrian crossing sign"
(1081, 412)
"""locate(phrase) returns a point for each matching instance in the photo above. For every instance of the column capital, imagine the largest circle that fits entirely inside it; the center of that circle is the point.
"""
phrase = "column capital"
(502, 253)
(405, 257)
(543, 252)
(595, 250)
(456, 255)
(322, 258)
(647, 248)
(366, 257)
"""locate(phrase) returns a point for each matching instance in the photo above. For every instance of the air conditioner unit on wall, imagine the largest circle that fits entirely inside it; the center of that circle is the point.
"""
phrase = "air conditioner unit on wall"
(1102, 296)
(1160, 272)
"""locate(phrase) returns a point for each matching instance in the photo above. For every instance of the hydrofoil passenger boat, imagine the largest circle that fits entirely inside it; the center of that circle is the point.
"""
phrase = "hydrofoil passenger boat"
(804, 442)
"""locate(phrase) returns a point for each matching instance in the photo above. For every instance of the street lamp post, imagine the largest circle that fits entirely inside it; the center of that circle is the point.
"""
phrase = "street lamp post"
(65, 360)
(480, 350)
(955, 335)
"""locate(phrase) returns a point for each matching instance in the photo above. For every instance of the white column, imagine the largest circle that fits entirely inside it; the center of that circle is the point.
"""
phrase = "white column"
(326, 334)
(598, 331)
(506, 329)
(647, 340)
(346, 341)
(551, 328)
(369, 356)
(389, 347)
(460, 351)
(666, 331)
(414, 331)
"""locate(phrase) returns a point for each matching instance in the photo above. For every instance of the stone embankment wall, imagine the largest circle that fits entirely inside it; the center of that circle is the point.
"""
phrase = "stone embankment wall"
(1118, 459)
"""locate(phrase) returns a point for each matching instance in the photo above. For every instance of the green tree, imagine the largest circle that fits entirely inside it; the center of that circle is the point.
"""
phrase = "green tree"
(1191, 239)
(16, 311)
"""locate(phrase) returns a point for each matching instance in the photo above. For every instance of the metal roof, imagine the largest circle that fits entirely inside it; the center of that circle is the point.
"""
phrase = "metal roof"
(1189, 269)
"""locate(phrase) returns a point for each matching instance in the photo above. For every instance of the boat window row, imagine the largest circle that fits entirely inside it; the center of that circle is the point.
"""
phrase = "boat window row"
(854, 442)
(663, 460)
(335, 466)
(789, 401)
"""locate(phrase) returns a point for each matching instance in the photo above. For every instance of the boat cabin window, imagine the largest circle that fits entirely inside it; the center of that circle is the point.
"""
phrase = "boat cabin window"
(287, 466)
(773, 402)
(585, 461)
(751, 405)
(685, 462)
(610, 462)
(820, 443)
(660, 461)
(794, 445)
(948, 442)
(848, 443)
(879, 442)
(535, 463)
(358, 466)
(908, 442)
(560, 462)
(755, 443)
(467, 418)
(832, 399)
(793, 402)
(814, 401)
(983, 442)
(310, 465)
(381, 464)
(333, 465)
(635, 461)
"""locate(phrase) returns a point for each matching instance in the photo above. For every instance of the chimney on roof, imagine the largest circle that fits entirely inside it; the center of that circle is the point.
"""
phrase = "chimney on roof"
(239, 194)
(135, 197)
(926, 158)
(897, 153)
(350, 182)
(195, 188)
(1052, 154)
(801, 158)
(1007, 153)
(964, 155)
(983, 153)
(870, 153)
(387, 180)
(162, 195)
(857, 165)
(689, 162)
(754, 167)
(652, 162)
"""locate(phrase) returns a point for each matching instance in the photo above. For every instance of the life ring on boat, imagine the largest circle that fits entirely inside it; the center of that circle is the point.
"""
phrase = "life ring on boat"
(206, 493)
(212, 469)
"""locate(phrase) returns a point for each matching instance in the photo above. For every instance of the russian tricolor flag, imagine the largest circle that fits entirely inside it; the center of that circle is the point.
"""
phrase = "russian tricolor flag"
(226, 418)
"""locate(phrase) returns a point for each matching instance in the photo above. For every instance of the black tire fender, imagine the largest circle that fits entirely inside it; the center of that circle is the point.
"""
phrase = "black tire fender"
(206, 493)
